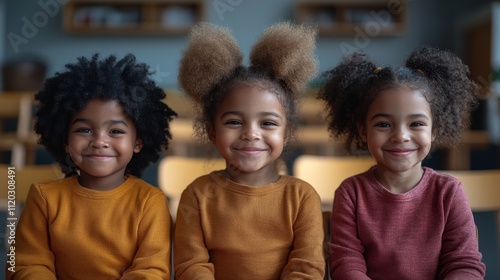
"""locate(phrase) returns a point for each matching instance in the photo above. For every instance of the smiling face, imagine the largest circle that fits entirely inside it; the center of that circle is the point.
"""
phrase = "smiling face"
(398, 131)
(101, 142)
(249, 132)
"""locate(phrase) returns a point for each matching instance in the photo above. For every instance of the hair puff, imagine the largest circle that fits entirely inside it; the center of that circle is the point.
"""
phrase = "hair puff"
(449, 78)
(346, 104)
(284, 50)
(211, 55)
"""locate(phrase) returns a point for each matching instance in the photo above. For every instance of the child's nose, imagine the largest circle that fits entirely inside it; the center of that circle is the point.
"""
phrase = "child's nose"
(250, 133)
(401, 134)
(99, 140)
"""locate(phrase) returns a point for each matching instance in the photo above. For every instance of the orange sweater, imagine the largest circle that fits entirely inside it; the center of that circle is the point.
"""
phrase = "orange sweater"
(67, 231)
(226, 230)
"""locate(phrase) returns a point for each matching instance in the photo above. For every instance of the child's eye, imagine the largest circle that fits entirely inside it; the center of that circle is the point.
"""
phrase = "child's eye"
(233, 122)
(269, 123)
(84, 130)
(116, 131)
(382, 124)
(418, 124)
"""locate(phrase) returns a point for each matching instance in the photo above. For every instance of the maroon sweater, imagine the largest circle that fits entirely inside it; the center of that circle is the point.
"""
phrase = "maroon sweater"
(425, 233)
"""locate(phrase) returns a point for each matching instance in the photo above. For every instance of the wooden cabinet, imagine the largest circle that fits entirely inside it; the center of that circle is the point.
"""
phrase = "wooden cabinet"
(132, 16)
(478, 56)
(482, 53)
(351, 17)
(478, 41)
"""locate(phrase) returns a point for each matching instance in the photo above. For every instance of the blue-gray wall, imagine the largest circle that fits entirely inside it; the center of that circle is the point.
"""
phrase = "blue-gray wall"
(429, 22)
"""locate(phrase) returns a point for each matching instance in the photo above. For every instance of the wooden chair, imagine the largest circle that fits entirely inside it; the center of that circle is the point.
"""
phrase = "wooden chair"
(482, 188)
(23, 178)
(176, 173)
(325, 173)
(182, 104)
(17, 107)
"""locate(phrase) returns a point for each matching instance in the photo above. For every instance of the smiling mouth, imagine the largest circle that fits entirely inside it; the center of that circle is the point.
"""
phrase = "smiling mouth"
(400, 152)
(99, 157)
(250, 151)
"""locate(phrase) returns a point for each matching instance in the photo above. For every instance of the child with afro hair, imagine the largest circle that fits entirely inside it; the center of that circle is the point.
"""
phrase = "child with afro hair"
(104, 121)
(400, 220)
(248, 221)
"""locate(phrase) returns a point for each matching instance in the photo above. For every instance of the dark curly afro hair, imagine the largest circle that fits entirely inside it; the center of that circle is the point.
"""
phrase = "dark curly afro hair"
(439, 75)
(124, 80)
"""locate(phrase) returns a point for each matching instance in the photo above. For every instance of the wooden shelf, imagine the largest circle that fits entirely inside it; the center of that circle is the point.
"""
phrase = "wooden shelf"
(350, 17)
(128, 17)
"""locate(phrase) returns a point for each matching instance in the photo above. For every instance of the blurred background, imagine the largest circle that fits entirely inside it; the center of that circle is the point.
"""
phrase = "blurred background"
(39, 37)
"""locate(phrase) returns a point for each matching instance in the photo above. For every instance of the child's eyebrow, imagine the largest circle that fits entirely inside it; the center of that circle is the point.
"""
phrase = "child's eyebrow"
(418, 116)
(380, 115)
(111, 122)
(263, 114)
(411, 116)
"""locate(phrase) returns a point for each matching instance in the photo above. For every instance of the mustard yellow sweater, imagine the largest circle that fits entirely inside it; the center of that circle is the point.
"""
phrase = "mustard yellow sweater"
(229, 231)
(67, 231)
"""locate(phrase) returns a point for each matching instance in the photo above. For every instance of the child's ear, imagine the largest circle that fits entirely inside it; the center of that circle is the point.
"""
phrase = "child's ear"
(66, 146)
(288, 136)
(362, 132)
(138, 145)
(210, 132)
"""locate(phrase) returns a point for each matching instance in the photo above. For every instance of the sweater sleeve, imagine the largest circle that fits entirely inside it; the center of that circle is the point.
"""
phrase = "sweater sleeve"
(191, 258)
(306, 260)
(152, 260)
(345, 248)
(460, 258)
(34, 258)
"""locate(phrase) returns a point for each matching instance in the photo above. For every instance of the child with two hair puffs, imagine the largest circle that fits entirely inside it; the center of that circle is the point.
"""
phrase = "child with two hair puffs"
(399, 219)
(248, 221)
(104, 121)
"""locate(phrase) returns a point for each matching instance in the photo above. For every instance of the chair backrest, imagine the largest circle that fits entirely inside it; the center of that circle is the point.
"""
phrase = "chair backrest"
(325, 173)
(482, 188)
(20, 179)
(16, 106)
(176, 173)
(182, 103)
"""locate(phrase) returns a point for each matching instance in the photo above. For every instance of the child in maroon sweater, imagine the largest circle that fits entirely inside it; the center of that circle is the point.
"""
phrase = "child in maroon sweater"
(400, 220)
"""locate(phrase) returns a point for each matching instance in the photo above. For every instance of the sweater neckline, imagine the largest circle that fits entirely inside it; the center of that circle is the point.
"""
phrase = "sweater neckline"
(224, 182)
(416, 191)
(83, 191)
